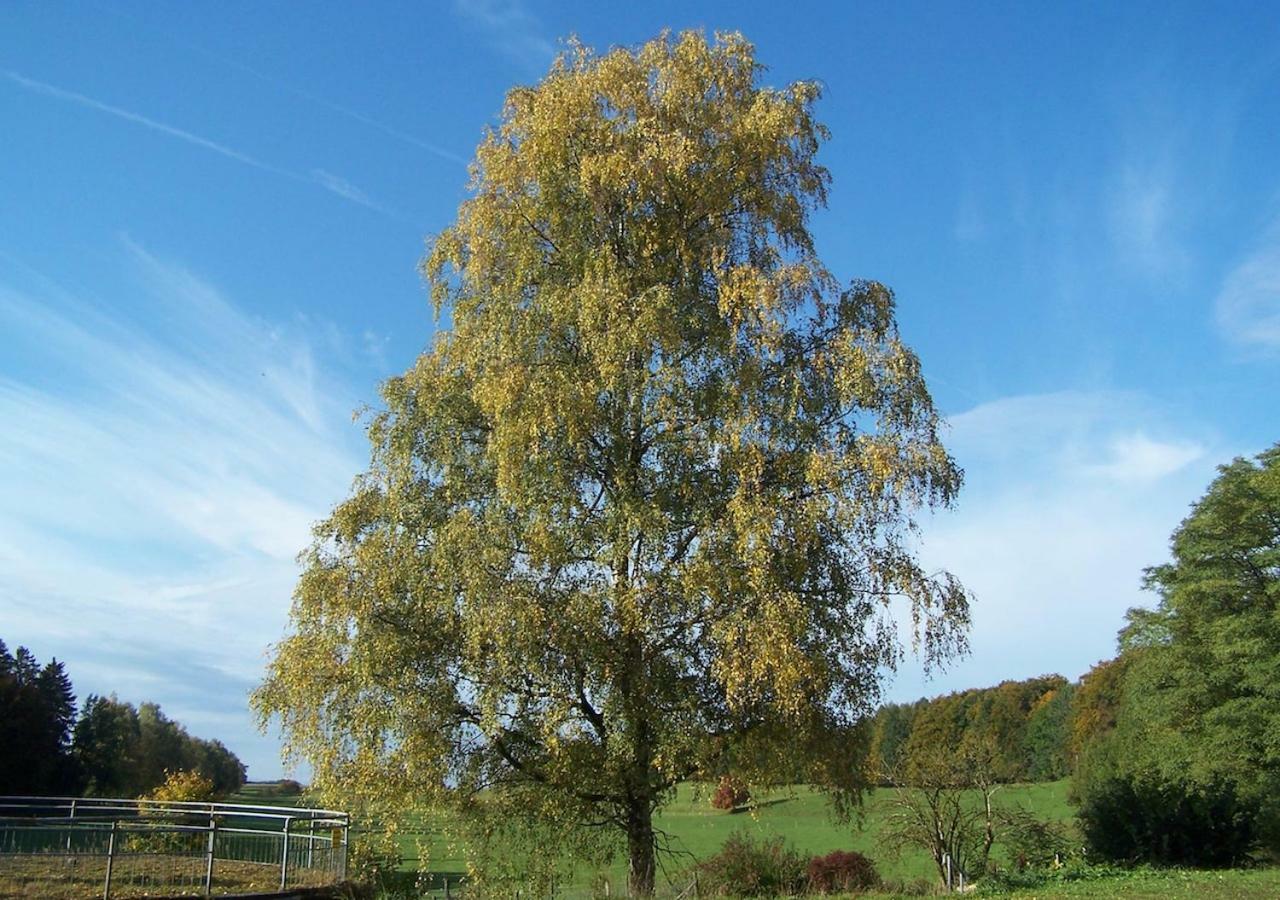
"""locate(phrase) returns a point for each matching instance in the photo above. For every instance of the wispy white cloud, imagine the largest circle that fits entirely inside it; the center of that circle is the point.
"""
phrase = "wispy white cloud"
(1068, 496)
(159, 471)
(1168, 146)
(511, 28)
(1146, 219)
(1101, 434)
(333, 183)
(375, 348)
(1136, 458)
(1248, 304)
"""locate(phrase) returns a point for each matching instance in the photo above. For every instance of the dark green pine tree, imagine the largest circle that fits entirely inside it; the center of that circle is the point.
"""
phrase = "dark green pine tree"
(34, 723)
(59, 700)
(25, 668)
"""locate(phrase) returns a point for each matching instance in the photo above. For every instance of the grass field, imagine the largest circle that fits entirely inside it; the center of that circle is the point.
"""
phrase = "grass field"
(1156, 884)
(263, 794)
(800, 816)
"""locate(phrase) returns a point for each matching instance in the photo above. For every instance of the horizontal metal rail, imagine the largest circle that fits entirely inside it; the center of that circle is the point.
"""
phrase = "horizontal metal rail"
(31, 821)
(306, 846)
(153, 828)
(76, 804)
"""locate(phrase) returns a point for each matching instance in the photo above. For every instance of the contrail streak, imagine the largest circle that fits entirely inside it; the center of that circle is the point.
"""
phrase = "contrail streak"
(41, 87)
(318, 177)
(281, 84)
(339, 109)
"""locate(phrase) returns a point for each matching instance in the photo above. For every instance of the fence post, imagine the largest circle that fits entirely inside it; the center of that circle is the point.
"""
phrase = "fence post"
(71, 819)
(284, 855)
(208, 863)
(346, 839)
(111, 857)
(311, 842)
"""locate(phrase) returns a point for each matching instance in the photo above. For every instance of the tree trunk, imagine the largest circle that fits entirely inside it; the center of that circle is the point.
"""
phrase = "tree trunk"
(641, 852)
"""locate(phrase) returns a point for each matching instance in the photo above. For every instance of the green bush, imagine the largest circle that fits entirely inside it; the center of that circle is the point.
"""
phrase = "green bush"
(841, 871)
(915, 887)
(744, 868)
(1033, 843)
(1017, 882)
(1128, 817)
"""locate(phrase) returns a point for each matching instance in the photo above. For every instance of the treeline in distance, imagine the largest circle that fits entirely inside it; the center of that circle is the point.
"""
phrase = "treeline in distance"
(110, 748)
(1027, 725)
(1173, 746)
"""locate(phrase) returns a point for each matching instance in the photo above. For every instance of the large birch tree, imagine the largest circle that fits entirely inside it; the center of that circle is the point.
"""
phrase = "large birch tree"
(644, 509)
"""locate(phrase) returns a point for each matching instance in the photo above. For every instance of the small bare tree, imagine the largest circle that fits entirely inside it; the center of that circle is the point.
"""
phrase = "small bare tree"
(944, 803)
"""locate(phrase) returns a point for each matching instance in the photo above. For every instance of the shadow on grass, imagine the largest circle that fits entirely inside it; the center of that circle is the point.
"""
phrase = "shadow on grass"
(761, 805)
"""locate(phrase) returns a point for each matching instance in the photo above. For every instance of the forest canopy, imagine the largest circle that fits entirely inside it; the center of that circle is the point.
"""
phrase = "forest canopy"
(108, 748)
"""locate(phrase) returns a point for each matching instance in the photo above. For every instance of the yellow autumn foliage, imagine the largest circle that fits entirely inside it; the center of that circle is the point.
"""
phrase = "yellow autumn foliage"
(644, 508)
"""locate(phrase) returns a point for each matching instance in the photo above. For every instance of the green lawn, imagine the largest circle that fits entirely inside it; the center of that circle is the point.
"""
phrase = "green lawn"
(800, 816)
(260, 794)
(1168, 884)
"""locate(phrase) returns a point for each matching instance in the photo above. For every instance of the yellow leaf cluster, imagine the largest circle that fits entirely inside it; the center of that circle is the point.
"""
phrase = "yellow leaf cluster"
(636, 514)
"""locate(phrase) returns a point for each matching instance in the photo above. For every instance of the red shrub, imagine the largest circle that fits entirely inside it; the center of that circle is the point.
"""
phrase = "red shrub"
(841, 871)
(731, 794)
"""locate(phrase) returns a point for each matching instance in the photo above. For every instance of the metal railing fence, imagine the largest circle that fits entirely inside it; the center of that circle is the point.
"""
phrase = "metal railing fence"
(139, 846)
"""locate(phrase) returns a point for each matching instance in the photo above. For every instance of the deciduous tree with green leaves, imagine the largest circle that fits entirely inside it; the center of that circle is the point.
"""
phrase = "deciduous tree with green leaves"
(1215, 636)
(1188, 770)
(643, 508)
(125, 751)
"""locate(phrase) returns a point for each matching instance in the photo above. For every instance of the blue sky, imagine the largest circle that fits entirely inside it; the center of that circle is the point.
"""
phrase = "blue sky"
(211, 216)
